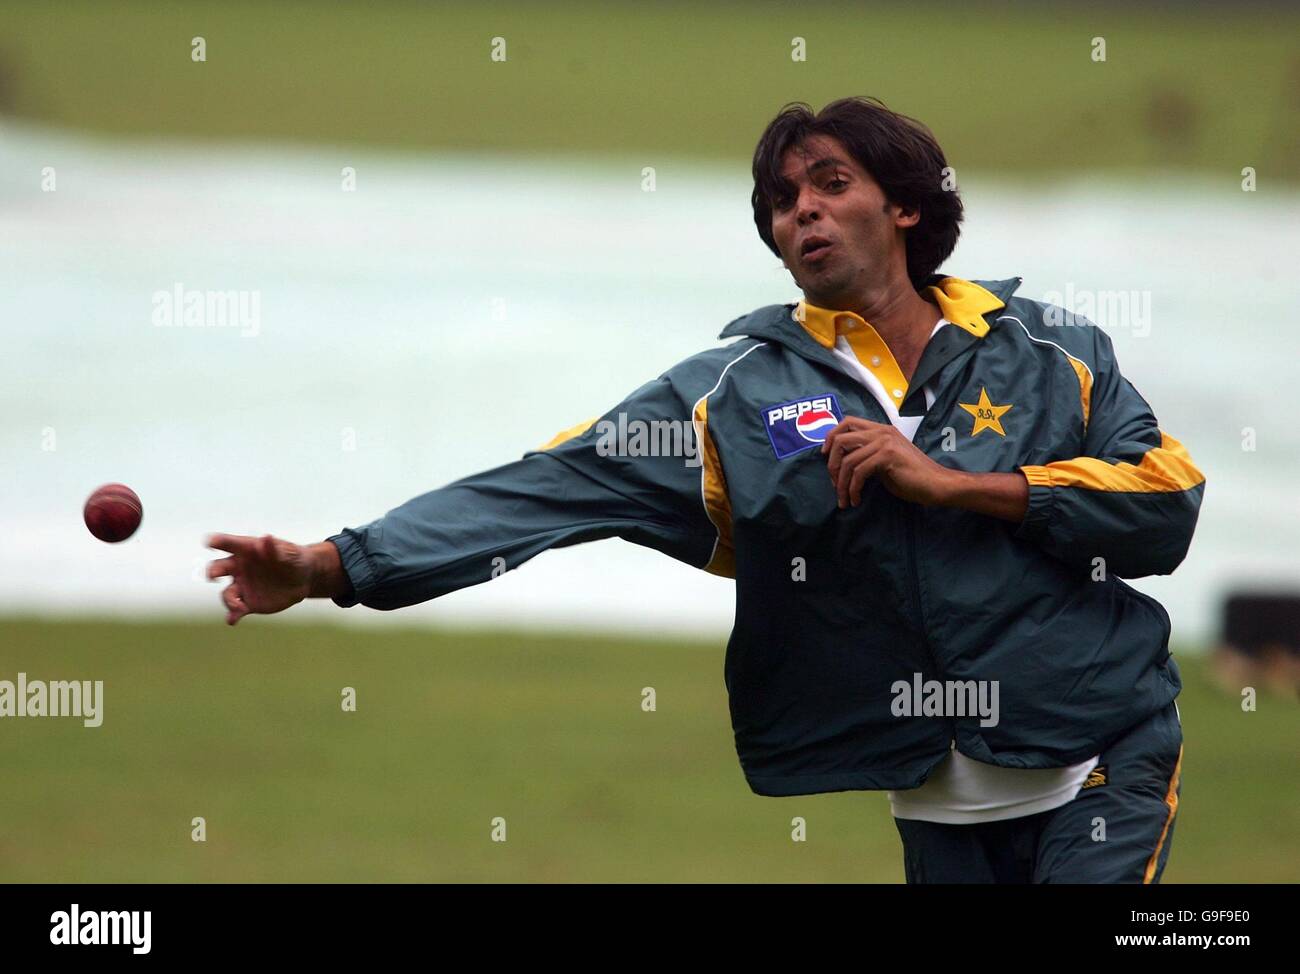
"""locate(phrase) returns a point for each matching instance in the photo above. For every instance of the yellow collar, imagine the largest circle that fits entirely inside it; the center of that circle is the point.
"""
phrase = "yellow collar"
(961, 302)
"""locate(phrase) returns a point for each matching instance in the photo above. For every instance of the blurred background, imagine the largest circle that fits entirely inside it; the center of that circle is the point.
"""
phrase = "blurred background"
(461, 228)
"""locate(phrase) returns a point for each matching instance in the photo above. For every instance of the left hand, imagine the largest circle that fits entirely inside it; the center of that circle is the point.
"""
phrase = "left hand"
(858, 448)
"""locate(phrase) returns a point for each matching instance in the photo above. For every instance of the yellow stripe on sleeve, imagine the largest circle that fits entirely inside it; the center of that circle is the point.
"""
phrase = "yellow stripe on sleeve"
(1085, 386)
(1164, 469)
(716, 502)
(568, 434)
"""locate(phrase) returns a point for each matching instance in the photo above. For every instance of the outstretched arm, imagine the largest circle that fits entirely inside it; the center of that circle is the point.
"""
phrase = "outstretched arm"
(583, 485)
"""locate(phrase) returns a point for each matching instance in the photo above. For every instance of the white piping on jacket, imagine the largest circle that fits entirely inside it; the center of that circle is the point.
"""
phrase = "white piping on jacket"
(699, 444)
(1044, 341)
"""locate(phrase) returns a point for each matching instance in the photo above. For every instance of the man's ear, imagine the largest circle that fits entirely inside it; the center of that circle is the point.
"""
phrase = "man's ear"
(907, 216)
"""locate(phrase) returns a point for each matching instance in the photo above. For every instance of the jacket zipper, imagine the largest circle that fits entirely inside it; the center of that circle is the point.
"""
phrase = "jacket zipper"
(915, 574)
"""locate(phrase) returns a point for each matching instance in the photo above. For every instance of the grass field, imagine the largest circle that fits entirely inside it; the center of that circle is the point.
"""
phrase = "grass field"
(1006, 88)
(244, 727)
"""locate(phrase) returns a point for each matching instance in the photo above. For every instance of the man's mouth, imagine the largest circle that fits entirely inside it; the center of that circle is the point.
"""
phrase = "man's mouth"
(814, 249)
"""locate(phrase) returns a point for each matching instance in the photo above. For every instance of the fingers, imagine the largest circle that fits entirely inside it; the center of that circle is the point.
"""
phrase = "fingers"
(848, 436)
(855, 470)
(854, 449)
(221, 568)
(236, 544)
(848, 424)
(247, 554)
(845, 444)
(233, 597)
(863, 464)
(234, 602)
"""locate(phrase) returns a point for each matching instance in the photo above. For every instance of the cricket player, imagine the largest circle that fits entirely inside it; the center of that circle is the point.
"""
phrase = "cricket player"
(929, 491)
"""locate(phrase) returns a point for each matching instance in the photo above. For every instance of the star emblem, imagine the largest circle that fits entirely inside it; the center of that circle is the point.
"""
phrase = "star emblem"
(987, 415)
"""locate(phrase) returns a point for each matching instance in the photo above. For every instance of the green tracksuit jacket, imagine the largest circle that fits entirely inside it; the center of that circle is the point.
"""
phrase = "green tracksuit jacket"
(835, 607)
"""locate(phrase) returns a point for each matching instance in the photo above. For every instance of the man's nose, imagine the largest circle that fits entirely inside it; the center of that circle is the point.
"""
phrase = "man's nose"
(807, 208)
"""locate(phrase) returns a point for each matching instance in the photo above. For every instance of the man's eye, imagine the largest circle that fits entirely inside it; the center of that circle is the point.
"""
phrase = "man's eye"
(842, 182)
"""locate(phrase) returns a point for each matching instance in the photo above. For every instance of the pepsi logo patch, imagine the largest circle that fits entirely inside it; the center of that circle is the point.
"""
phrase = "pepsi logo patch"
(801, 424)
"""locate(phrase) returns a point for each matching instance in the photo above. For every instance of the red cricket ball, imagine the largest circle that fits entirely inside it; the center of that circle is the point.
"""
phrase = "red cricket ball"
(113, 512)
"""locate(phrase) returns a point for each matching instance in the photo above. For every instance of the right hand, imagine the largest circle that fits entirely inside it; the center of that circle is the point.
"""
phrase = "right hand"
(267, 574)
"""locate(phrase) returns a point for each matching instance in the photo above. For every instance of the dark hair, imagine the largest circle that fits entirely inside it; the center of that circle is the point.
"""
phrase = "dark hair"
(899, 152)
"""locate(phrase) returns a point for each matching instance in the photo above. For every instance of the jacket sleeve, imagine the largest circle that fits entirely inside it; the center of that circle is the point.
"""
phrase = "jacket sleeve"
(589, 482)
(1131, 499)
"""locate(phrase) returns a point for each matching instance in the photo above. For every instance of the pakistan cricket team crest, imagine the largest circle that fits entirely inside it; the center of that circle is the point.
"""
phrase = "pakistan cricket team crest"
(987, 415)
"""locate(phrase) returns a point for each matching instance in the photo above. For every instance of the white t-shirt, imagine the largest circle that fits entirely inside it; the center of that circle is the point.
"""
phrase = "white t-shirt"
(961, 790)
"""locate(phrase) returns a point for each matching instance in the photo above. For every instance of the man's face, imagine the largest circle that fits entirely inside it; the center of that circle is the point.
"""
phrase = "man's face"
(836, 232)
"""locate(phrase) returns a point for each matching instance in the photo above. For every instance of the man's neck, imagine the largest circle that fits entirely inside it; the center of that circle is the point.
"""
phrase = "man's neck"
(900, 316)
